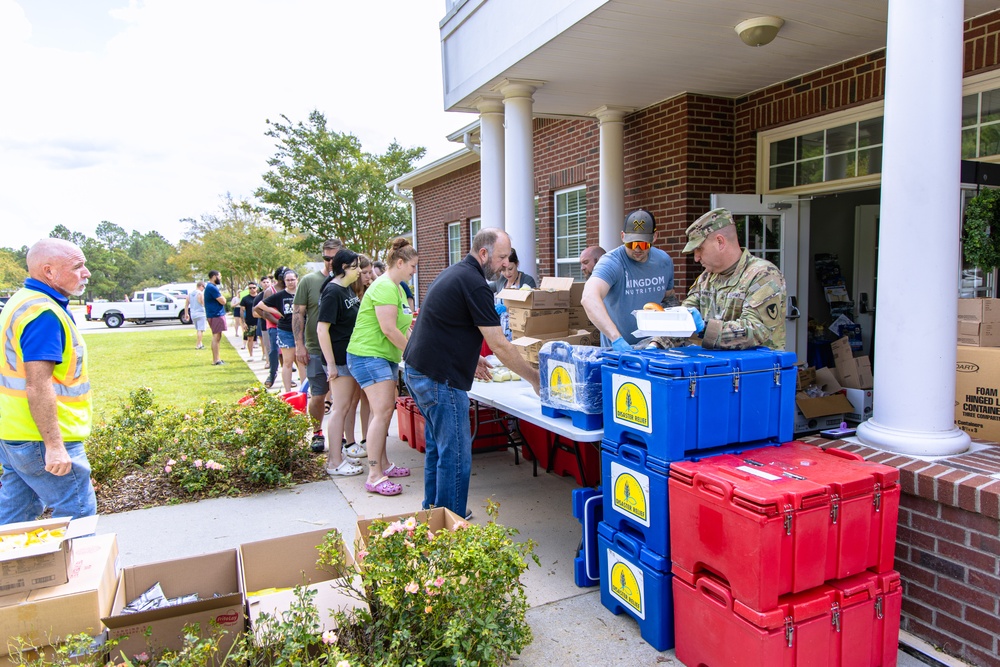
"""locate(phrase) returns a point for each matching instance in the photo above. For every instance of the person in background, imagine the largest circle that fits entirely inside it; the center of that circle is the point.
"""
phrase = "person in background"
(194, 304)
(373, 356)
(308, 353)
(459, 309)
(46, 400)
(280, 304)
(215, 310)
(627, 278)
(338, 311)
(512, 277)
(378, 268)
(237, 318)
(359, 451)
(739, 300)
(270, 321)
(262, 285)
(250, 330)
(588, 259)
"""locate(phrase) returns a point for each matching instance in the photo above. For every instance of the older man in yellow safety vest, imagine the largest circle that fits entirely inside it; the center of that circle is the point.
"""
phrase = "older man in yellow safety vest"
(45, 406)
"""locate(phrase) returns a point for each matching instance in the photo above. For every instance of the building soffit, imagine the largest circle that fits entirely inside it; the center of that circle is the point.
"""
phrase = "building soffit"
(637, 53)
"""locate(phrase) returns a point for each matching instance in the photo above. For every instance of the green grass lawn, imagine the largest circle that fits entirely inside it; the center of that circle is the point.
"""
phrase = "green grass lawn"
(165, 361)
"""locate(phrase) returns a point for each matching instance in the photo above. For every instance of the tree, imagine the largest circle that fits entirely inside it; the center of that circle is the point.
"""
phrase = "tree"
(240, 242)
(151, 253)
(13, 270)
(322, 184)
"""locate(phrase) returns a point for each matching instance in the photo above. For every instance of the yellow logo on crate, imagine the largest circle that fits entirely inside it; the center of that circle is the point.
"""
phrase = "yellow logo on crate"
(629, 497)
(560, 384)
(631, 405)
(626, 587)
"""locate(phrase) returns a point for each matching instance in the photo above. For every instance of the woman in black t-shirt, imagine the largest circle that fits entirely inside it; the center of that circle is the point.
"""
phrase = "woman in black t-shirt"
(280, 304)
(338, 310)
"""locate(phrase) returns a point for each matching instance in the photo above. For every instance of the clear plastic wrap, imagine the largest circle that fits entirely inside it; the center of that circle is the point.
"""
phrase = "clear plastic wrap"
(571, 377)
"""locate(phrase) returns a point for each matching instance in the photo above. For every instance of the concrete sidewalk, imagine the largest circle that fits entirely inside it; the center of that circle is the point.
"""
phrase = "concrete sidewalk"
(570, 625)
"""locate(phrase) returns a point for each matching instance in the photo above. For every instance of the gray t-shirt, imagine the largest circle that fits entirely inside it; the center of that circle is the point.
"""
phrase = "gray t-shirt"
(197, 308)
(632, 285)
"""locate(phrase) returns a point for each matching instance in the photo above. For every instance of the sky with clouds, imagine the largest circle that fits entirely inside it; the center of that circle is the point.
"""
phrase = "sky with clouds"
(143, 112)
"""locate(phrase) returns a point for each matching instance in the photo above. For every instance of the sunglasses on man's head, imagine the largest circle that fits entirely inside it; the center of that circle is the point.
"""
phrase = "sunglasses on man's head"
(640, 245)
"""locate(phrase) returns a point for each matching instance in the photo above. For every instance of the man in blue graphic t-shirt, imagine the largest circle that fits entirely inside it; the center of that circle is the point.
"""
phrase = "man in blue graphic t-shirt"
(626, 279)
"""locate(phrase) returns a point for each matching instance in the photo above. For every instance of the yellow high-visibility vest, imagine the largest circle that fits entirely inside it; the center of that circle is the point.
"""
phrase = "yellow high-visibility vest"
(69, 378)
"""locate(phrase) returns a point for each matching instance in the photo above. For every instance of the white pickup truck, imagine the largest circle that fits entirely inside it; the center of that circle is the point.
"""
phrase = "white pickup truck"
(145, 306)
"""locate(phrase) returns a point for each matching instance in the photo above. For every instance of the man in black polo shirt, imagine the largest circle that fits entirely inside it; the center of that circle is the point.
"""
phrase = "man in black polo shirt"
(442, 359)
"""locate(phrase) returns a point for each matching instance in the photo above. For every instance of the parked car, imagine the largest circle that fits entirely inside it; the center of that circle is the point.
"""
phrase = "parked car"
(145, 306)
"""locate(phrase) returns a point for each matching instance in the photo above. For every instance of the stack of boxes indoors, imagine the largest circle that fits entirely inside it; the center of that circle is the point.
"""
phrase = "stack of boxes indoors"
(717, 538)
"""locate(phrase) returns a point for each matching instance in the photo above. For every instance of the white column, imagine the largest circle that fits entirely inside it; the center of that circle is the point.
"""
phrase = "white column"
(519, 170)
(491, 160)
(612, 175)
(918, 261)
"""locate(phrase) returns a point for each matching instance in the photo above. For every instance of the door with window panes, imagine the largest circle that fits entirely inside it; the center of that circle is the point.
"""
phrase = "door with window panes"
(768, 227)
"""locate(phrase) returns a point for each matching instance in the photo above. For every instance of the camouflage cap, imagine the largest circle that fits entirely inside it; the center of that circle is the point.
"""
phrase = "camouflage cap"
(640, 225)
(699, 230)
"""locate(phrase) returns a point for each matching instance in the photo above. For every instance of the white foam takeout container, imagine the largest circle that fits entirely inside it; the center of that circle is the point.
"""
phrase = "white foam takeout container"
(675, 322)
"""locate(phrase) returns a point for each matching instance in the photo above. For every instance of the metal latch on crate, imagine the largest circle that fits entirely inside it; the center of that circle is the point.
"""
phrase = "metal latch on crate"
(788, 519)
(736, 380)
(692, 385)
(834, 508)
(879, 612)
(789, 631)
(835, 616)
(777, 375)
(877, 499)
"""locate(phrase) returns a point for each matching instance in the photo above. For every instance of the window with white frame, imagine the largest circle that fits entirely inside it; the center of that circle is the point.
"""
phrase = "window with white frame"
(454, 243)
(836, 153)
(475, 224)
(571, 230)
(981, 124)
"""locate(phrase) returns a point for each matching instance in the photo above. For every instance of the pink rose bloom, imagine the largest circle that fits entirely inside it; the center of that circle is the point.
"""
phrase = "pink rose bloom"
(197, 463)
(412, 587)
(167, 469)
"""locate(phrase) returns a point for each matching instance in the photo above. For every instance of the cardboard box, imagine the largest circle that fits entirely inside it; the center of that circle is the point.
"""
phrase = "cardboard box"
(525, 322)
(41, 565)
(528, 346)
(852, 372)
(578, 318)
(823, 412)
(977, 392)
(214, 577)
(979, 310)
(552, 293)
(43, 617)
(805, 377)
(437, 519)
(287, 562)
(979, 334)
(576, 294)
(861, 400)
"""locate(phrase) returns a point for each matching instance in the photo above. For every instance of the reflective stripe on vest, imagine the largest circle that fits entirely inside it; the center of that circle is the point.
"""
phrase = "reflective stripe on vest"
(69, 381)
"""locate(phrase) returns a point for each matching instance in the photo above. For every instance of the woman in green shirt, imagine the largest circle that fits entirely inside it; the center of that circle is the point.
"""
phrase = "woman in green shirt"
(373, 355)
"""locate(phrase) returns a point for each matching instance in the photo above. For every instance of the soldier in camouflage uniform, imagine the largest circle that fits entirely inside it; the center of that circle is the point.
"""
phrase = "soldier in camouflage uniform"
(739, 297)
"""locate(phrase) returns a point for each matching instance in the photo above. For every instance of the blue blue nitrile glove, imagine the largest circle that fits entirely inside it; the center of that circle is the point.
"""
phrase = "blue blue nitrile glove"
(621, 345)
(699, 322)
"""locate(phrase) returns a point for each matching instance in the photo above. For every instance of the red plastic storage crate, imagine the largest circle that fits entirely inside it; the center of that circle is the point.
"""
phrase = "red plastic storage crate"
(404, 419)
(491, 433)
(538, 440)
(836, 625)
(780, 520)
(419, 423)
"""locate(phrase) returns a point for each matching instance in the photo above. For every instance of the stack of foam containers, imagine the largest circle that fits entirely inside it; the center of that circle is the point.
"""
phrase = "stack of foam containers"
(783, 556)
(662, 406)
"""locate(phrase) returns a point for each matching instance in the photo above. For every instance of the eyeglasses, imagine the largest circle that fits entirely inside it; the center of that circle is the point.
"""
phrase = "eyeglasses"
(640, 245)
(327, 259)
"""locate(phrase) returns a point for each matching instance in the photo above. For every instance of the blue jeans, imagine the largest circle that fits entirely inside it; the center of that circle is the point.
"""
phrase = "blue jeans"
(272, 353)
(26, 489)
(448, 459)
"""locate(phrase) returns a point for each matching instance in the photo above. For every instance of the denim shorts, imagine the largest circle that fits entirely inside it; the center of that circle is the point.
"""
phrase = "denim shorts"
(369, 370)
(286, 339)
(344, 371)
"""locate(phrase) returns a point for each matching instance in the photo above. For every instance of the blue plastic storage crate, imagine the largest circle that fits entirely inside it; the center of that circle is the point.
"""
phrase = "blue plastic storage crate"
(588, 507)
(638, 582)
(571, 383)
(677, 402)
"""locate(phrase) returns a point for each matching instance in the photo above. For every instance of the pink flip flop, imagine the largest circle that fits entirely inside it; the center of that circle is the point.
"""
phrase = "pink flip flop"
(396, 471)
(384, 487)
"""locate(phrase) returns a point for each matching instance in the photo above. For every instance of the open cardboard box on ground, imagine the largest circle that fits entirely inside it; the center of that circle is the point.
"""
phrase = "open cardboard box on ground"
(213, 576)
(551, 293)
(46, 616)
(437, 519)
(823, 412)
(287, 562)
(41, 565)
